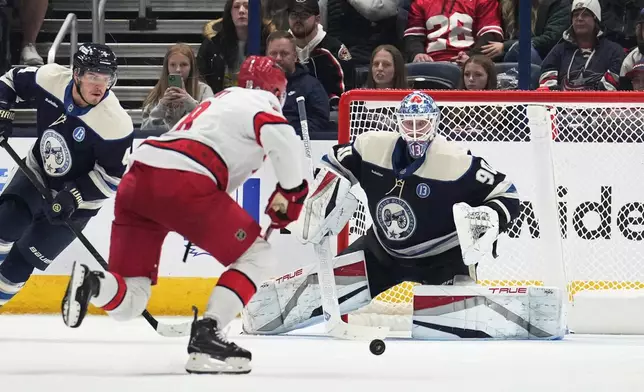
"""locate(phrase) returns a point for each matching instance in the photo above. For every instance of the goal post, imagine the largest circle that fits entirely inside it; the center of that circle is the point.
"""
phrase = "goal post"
(577, 160)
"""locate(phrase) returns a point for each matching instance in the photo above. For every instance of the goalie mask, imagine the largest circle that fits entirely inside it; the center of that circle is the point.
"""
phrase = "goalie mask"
(418, 118)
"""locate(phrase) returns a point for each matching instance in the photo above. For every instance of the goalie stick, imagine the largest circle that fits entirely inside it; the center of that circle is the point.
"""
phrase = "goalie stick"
(334, 324)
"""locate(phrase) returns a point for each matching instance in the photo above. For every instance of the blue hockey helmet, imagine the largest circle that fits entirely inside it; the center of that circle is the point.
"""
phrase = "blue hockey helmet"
(418, 118)
(98, 59)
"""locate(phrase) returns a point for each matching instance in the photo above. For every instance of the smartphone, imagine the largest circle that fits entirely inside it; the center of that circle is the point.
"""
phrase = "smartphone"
(174, 81)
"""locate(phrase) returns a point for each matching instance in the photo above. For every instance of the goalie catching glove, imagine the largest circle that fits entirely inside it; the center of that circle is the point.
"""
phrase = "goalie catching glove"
(327, 209)
(285, 205)
(477, 229)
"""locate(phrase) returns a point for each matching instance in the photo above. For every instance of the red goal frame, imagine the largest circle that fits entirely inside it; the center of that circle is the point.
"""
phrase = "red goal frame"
(501, 96)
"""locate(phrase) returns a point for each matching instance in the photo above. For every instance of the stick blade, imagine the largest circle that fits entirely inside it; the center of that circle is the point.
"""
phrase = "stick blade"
(174, 330)
(346, 331)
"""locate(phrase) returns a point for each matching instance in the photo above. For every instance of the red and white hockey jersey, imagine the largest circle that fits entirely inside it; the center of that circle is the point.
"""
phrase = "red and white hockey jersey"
(452, 26)
(227, 138)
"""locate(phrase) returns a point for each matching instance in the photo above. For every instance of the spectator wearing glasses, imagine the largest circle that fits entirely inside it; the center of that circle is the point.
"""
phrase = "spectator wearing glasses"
(326, 58)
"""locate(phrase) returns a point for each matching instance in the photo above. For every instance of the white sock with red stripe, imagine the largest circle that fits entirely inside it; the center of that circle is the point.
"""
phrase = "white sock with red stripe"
(233, 291)
(111, 293)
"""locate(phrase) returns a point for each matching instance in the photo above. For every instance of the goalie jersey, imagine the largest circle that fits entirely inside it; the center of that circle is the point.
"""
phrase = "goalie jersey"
(411, 201)
(87, 146)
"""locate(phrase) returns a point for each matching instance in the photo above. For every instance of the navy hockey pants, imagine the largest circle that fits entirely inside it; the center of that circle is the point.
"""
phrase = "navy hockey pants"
(23, 223)
(385, 271)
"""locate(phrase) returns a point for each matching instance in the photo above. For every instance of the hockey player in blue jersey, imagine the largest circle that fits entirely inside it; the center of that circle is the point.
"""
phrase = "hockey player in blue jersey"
(84, 136)
(414, 181)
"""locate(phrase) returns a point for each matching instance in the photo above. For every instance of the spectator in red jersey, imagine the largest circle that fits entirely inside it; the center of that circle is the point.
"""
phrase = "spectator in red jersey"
(387, 69)
(460, 28)
(585, 60)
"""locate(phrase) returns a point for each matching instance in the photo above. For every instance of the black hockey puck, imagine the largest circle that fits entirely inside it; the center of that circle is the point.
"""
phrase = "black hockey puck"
(377, 347)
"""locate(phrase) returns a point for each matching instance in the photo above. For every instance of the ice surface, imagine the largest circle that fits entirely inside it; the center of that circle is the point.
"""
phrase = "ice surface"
(40, 354)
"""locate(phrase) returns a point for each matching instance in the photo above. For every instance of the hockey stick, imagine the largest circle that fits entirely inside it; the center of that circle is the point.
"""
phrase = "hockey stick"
(334, 324)
(167, 330)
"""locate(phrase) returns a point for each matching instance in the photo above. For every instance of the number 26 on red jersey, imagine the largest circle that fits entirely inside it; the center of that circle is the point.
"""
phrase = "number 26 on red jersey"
(455, 31)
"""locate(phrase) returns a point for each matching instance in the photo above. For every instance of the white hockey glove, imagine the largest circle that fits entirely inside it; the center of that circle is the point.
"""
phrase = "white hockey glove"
(477, 229)
(328, 208)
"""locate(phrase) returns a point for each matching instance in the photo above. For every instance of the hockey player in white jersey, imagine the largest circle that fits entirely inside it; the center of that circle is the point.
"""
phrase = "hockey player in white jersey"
(181, 182)
(413, 181)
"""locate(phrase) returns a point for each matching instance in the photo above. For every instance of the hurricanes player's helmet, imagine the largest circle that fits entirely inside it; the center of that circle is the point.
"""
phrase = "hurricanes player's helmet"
(96, 59)
(260, 72)
(418, 117)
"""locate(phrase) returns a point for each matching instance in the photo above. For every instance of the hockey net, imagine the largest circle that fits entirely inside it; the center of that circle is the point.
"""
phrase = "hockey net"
(594, 154)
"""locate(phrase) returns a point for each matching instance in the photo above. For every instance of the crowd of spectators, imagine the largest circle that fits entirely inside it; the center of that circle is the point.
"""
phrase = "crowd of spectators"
(328, 47)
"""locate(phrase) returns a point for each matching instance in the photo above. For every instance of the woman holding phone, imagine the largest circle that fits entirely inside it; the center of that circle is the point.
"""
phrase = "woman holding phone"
(177, 92)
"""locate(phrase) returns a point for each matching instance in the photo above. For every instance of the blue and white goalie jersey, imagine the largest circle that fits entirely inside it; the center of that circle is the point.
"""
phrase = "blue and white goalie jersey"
(86, 146)
(411, 201)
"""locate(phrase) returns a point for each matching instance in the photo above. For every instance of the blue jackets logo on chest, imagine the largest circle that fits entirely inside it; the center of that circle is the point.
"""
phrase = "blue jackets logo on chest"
(395, 218)
(56, 157)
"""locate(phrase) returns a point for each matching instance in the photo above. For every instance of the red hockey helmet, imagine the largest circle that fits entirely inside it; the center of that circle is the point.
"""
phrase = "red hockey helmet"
(260, 72)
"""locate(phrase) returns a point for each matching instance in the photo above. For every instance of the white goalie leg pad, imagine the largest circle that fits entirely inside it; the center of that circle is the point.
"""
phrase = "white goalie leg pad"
(293, 300)
(477, 312)
(328, 208)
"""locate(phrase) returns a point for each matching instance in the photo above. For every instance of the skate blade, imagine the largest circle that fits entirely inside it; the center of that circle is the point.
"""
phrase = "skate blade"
(71, 307)
(199, 363)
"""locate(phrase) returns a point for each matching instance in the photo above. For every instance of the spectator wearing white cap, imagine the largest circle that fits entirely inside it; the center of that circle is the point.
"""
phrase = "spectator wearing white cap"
(585, 59)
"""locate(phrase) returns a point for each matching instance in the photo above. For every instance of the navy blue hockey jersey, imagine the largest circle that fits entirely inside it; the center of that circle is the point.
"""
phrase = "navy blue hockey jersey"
(86, 146)
(410, 202)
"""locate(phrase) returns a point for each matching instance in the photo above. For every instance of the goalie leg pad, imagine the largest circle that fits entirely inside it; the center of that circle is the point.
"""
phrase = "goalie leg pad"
(293, 300)
(476, 312)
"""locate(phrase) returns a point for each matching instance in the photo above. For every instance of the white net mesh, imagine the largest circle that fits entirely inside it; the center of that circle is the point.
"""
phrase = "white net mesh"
(598, 158)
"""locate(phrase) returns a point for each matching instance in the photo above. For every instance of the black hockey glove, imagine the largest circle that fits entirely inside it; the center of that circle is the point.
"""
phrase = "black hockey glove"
(64, 205)
(6, 123)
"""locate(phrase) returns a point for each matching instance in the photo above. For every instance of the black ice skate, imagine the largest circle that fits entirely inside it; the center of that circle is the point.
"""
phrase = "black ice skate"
(211, 353)
(83, 285)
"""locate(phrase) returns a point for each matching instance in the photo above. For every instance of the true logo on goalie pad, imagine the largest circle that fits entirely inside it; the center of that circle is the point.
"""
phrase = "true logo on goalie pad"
(395, 218)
